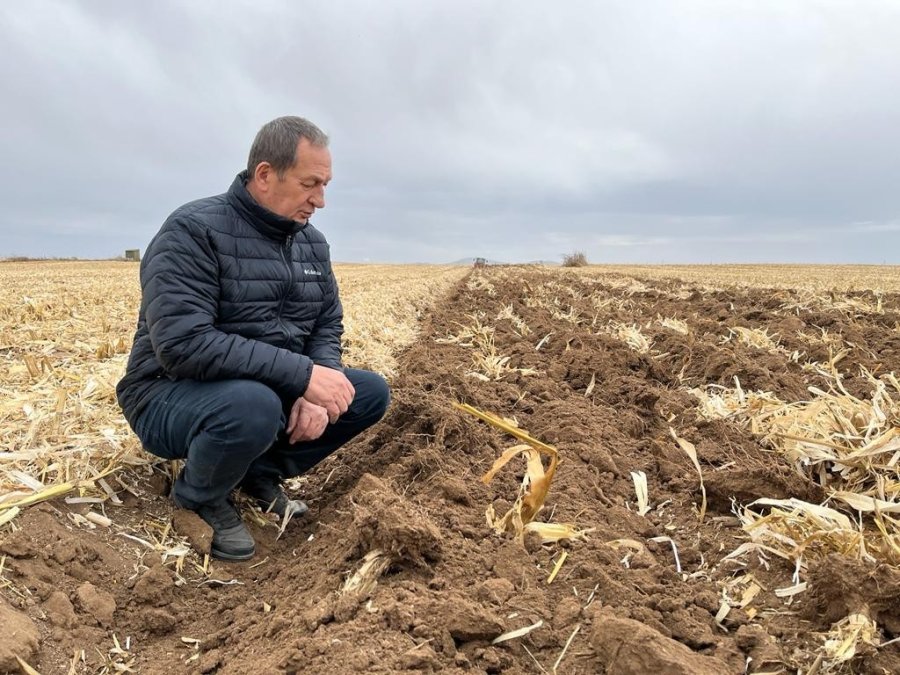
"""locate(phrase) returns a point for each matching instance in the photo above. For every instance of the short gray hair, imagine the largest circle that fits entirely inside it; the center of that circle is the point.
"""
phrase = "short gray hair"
(276, 143)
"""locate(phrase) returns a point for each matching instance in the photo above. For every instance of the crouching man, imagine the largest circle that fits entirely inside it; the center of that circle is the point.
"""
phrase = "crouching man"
(236, 364)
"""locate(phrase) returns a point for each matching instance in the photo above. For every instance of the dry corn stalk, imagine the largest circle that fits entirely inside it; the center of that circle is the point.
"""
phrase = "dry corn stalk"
(631, 335)
(674, 324)
(642, 493)
(519, 632)
(365, 578)
(565, 649)
(505, 425)
(533, 491)
(718, 402)
(691, 452)
(795, 529)
(571, 315)
(519, 324)
(519, 519)
(553, 532)
(848, 445)
(557, 567)
(674, 546)
(28, 670)
(488, 363)
(16, 501)
(758, 338)
(844, 638)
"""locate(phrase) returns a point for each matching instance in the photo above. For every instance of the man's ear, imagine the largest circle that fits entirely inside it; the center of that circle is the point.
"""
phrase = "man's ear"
(263, 175)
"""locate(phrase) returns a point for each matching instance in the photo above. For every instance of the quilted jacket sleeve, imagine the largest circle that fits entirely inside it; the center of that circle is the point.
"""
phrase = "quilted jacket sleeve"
(180, 282)
(323, 345)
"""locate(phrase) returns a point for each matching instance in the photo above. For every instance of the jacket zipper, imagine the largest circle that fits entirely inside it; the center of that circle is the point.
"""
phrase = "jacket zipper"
(288, 260)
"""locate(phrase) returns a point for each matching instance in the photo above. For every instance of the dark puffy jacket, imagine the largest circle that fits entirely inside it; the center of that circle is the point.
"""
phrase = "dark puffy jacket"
(232, 290)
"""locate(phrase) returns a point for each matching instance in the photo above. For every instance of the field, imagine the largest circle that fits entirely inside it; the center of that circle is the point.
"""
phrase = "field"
(725, 498)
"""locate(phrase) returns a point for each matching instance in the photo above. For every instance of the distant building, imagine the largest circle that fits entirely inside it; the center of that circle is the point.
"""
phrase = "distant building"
(133, 254)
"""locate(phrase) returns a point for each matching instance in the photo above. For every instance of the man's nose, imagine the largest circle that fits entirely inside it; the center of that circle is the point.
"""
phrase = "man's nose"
(318, 198)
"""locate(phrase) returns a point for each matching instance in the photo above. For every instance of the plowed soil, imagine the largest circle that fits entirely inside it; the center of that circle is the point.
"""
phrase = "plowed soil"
(411, 487)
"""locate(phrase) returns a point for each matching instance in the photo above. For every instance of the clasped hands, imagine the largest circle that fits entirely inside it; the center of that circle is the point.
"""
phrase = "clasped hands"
(327, 397)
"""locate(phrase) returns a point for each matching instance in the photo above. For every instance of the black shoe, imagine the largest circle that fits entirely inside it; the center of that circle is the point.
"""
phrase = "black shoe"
(231, 539)
(270, 497)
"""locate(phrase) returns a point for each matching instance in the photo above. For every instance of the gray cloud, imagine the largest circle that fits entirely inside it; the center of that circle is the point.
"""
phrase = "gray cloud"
(647, 132)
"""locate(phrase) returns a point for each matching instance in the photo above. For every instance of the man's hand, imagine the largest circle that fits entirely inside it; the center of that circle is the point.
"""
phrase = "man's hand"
(307, 422)
(330, 389)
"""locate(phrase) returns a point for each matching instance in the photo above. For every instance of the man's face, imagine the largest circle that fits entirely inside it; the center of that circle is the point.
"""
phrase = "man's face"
(301, 189)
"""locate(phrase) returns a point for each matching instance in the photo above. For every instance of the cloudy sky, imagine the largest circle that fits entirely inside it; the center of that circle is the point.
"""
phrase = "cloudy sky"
(636, 131)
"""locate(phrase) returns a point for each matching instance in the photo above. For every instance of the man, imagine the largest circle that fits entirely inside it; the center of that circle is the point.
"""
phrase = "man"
(236, 363)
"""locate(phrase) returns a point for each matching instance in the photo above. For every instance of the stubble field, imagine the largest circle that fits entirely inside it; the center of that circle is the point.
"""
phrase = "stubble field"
(725, 498)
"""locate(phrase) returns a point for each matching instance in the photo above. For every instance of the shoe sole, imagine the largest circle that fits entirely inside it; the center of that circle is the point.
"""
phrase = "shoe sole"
(232, 557)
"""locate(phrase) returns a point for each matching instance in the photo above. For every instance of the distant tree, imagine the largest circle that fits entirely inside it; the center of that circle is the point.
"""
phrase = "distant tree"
(575, 259)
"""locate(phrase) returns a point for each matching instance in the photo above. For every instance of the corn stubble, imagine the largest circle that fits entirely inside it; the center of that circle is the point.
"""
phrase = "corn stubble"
(849, 446)
(519, 519)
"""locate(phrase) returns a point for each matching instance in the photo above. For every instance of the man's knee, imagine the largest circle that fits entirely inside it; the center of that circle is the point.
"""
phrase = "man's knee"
(373, 395)
(250, 415)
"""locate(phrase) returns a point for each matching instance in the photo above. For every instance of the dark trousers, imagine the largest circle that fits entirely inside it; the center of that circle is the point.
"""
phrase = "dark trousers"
(232, 431)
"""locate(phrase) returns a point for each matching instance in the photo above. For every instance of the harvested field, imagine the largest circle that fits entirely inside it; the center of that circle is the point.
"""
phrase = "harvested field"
(727, 467)
(820, 278)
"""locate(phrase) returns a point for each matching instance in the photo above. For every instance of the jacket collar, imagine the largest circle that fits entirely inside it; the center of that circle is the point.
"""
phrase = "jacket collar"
(265, 221)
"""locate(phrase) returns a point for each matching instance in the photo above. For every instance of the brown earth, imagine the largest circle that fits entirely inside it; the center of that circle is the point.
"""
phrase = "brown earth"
(410, 488)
